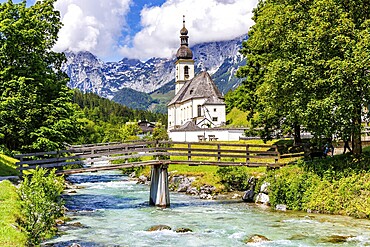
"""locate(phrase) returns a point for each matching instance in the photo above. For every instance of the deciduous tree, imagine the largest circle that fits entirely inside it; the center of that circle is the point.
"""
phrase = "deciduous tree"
(36, 111)
(308, 63)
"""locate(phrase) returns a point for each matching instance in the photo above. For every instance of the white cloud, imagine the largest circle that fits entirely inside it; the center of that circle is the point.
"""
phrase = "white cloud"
(97, 26)
(206, 20)
(92, 25)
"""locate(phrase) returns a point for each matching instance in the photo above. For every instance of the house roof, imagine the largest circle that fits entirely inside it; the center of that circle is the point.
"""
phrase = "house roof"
(189, 126)
(201, 86)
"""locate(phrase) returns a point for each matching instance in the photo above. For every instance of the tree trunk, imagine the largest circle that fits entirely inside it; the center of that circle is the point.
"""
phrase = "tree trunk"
(356, 135)
(297, 134)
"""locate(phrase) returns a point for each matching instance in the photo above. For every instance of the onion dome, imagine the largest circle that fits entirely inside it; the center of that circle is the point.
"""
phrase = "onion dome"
(184, 51)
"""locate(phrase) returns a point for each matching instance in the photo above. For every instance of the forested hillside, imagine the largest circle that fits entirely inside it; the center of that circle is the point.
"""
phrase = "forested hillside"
(106, 121)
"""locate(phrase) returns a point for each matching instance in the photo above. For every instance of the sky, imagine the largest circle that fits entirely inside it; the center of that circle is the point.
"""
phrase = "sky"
(113, 29)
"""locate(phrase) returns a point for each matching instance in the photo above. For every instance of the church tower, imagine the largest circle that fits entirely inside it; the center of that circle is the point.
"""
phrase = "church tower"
(185, 62)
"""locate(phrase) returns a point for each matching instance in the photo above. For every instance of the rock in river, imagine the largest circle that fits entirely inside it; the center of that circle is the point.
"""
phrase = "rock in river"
(158, 228)
(183, 229)
(256, 238)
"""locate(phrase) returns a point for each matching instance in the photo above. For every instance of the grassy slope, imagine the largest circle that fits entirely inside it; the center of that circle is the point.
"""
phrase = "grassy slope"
(9, 209)
(237, 118)
(7, 166)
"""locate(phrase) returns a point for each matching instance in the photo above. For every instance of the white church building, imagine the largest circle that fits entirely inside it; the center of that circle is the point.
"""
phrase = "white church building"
(197, 112)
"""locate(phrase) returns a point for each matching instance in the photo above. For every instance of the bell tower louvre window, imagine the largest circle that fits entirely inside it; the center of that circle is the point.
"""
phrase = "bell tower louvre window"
(186, 72)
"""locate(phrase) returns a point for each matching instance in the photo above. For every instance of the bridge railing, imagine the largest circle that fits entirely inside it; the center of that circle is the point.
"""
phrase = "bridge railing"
(152, 152)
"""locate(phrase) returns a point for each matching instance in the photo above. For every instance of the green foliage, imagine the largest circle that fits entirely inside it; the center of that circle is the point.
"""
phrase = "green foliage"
(105, 120)
(36, 111)
(289, 186)
(337, 186)
(233, 178)
(237, 118)
(307, 65)
(41, 204)
(159, 133)
(9, 213)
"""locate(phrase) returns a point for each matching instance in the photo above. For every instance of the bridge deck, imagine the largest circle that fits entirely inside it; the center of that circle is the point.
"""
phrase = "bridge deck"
(152, 153)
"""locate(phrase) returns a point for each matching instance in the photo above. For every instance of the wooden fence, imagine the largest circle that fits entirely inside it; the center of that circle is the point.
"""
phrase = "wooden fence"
(150, 153)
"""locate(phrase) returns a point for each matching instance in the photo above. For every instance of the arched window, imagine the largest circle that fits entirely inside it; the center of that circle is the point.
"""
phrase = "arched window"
(186, 72)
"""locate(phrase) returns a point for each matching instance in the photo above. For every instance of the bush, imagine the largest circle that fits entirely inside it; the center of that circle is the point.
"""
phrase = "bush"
(291, 186)
(41, 204)
(347, 194)
(233, 178)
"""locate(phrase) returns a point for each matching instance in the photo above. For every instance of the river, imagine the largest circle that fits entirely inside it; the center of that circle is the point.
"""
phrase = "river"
(114, 211)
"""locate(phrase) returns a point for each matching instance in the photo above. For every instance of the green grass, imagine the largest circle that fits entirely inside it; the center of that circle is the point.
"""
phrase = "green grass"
(7, 166)
(9, 211)
(237, 118)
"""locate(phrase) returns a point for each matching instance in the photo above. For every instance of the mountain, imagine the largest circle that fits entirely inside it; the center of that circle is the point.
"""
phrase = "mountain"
(154, 77)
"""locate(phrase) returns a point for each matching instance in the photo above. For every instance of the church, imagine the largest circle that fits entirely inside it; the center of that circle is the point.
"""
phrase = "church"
(198, 104)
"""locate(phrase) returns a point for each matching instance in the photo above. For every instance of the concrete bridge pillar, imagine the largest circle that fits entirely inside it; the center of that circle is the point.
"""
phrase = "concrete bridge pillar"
(159, 192)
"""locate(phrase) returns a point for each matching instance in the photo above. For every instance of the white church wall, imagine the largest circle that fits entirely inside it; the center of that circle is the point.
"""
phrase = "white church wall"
(216, 113)
(220, 134)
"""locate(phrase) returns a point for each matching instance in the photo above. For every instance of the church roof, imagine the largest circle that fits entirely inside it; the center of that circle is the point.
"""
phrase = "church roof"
(201, 86)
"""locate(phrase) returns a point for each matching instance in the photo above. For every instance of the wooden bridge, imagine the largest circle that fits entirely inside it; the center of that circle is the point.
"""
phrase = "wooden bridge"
(158, 154)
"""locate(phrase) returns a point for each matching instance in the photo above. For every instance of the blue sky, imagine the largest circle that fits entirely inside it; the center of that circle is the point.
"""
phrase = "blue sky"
(113, 29)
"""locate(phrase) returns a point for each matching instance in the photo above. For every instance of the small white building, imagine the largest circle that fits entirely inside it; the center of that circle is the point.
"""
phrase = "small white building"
(197, 99)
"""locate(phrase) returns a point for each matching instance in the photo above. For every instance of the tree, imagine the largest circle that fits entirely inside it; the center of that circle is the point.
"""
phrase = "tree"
(36, 111)
(308, 65)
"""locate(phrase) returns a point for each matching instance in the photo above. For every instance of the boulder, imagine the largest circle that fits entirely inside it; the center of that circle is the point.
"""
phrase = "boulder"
(280, 207)
(142, 180)
(263, 198)
(192, 191)
(256, 238)
(335, 239)
(183, 229)
(264, 187)
(207, 189)
(206, 196)
(236, 196)
(248, 196)
(159, 228)
(183, 187)
(184, 183)
(59, 222)
(132, 175)
(74, 245)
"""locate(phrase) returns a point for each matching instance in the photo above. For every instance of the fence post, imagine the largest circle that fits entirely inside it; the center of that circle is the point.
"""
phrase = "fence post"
(247, 153)
(189, 151)
(218, 152)
(278, 154)
(21, 168)
(156, 149)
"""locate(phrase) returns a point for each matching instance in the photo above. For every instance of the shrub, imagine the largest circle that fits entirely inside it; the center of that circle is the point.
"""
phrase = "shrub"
(290, 186)
(41, 204)
(233, 178)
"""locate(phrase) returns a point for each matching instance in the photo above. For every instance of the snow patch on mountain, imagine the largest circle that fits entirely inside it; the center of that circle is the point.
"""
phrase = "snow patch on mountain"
(90, 74)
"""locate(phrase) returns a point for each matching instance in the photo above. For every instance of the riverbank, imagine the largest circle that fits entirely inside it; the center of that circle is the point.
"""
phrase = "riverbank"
(10, 233)
(335, 185)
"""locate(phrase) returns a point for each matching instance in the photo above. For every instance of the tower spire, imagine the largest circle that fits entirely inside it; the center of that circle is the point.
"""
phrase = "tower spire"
(184, 51)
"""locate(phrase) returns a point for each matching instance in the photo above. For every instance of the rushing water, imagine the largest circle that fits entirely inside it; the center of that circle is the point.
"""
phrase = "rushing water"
(114, 211)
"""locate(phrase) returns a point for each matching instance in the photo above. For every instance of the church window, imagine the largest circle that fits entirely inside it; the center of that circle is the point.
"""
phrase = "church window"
(199, 110)
(214, 119)
(186, 72)
(214, 109)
